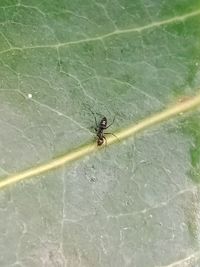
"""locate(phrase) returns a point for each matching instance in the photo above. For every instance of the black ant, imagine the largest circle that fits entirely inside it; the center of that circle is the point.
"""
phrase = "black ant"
(100, 130)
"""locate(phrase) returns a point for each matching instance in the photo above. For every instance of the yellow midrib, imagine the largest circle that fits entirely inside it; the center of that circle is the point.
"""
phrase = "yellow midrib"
(132, 130)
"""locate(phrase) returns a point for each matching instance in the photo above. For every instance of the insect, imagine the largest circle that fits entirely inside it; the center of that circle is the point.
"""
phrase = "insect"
(100, 130)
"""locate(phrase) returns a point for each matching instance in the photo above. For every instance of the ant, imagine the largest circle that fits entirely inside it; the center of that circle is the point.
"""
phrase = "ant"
(100, 130)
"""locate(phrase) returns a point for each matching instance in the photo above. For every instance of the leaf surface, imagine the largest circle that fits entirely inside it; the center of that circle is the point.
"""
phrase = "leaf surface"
(135, 203)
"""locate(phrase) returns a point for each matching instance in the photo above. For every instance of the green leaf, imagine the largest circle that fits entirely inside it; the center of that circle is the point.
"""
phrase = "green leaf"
(135, 203)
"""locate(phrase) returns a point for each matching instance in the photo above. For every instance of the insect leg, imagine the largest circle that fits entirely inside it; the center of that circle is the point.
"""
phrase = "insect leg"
(95, 122)
(110, 123)
(94, 118)
(113, 135)
(105, 139)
